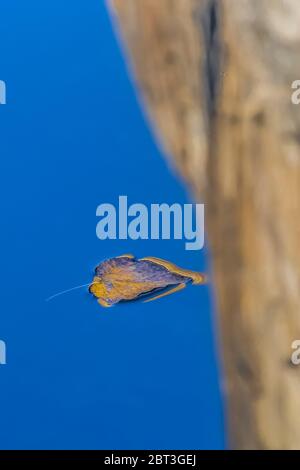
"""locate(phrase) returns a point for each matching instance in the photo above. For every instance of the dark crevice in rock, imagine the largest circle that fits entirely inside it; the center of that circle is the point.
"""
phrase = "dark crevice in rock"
(210, 24)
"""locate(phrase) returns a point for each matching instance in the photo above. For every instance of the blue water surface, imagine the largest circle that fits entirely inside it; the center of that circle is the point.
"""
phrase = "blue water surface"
(138, 376)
